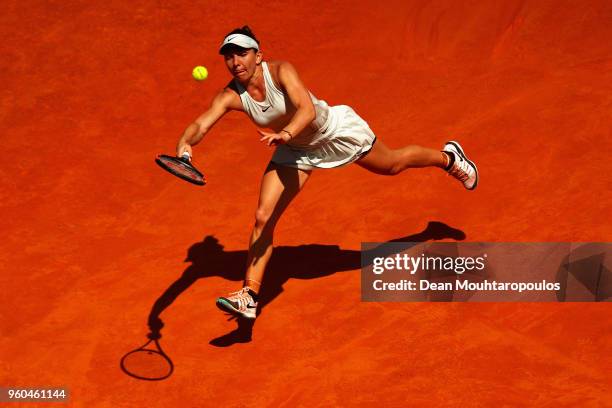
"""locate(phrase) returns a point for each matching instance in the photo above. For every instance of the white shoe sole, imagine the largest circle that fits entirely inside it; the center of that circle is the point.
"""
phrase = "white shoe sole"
(459, 150)
(227, 307)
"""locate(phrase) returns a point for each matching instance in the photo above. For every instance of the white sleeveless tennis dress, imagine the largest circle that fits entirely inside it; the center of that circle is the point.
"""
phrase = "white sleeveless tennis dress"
(336, 136)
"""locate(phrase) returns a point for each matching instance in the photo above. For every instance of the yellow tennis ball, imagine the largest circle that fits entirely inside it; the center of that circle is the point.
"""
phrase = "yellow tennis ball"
(199, 73)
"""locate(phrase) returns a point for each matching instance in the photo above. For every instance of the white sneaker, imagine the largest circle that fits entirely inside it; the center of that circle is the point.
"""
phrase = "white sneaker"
(240, 304)
(463, 169)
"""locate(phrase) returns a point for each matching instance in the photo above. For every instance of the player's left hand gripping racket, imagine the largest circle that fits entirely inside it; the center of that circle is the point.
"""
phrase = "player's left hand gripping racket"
(181, 167)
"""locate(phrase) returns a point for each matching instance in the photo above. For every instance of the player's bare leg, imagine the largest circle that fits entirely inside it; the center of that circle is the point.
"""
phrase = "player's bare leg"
(386, 161)
(280, 184)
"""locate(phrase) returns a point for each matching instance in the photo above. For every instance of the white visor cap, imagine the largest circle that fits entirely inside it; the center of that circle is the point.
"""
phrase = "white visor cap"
(240, 40)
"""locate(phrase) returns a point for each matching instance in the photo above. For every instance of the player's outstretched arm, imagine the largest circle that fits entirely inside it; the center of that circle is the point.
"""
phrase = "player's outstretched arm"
(224, 101)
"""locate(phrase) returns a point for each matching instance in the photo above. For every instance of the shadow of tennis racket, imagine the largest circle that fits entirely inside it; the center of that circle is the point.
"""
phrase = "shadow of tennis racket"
(148, 362)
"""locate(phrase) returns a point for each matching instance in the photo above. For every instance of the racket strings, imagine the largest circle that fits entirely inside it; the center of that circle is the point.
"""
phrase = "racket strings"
(182, 169)
(147, 364)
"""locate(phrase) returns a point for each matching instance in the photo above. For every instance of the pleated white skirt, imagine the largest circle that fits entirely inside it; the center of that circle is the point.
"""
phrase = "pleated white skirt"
(346, 139)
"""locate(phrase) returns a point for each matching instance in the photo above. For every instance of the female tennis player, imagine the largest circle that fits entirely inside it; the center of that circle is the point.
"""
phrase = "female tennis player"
(308, 134)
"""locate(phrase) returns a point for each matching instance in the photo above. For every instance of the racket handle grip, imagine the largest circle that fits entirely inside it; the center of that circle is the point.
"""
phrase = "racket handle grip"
(186, 156)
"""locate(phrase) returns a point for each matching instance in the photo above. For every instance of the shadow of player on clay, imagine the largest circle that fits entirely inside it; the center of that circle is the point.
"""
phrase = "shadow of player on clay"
(208, 258)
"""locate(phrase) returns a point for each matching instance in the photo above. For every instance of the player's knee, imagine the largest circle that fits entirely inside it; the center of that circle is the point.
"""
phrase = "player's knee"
(395, 168)
(402, 159)
(397, 165)
(262, 217)
(387, 169)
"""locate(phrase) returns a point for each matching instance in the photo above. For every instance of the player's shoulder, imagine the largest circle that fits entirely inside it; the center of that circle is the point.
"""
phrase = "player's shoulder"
(281, 71)
(277, 65)
(229, 97)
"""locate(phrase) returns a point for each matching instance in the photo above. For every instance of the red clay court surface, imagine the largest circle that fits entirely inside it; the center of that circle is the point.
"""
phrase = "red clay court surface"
(94, 232)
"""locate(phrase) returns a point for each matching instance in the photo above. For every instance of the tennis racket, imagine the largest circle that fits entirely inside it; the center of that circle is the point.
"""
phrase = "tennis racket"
(148, 363)
(181, 167)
